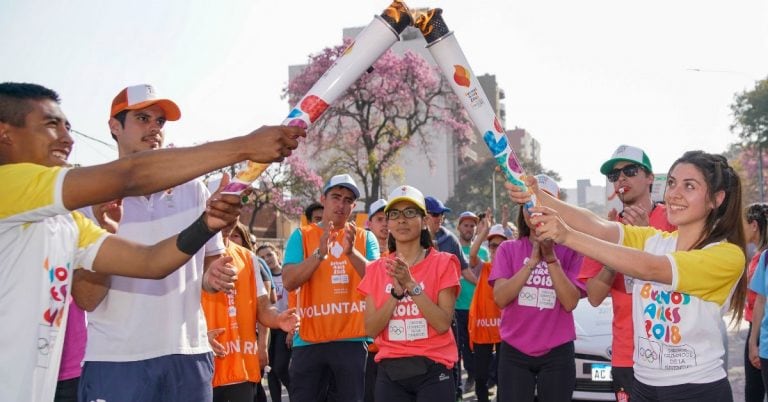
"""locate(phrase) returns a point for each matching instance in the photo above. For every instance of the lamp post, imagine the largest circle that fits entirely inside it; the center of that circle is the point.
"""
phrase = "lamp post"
(760, 170)
(493, 189)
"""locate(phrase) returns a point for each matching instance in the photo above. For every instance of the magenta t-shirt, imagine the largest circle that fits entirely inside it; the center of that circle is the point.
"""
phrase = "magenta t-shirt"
(535, 322)
(74, 344)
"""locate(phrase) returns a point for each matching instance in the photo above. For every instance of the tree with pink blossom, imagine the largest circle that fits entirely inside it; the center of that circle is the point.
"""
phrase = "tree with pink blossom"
(288, 187)
(402, 102)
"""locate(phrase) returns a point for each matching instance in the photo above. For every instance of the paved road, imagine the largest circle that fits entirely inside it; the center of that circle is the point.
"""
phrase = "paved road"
(736, 339)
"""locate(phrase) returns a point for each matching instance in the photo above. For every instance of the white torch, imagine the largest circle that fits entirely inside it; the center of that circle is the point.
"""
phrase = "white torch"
(358, 57)
(445, 49)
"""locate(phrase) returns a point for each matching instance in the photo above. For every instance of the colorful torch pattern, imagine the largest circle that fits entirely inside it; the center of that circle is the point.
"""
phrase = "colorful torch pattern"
(446, 51)
(361, 53)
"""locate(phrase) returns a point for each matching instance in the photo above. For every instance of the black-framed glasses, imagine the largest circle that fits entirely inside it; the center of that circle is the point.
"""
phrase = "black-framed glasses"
(408, 213)
(629, 171)
(494, 245)
(435, 214)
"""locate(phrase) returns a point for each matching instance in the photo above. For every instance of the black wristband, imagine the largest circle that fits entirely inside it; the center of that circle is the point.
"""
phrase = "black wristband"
(395, 295)
(194, 237)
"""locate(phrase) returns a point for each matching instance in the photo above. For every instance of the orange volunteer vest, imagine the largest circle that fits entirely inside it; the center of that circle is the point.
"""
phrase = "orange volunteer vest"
(484, 314)
(237, 314)
(329, 304)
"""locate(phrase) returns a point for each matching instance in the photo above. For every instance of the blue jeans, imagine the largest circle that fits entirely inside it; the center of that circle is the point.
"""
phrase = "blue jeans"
(172, 378)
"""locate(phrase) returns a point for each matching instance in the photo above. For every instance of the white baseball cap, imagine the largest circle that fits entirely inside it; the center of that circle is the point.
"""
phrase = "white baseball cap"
(406, 193)
(377, 206)
(496, 230)
(342, 180)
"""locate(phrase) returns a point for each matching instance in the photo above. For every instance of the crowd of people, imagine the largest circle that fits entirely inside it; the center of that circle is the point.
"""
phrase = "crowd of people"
(148, 288)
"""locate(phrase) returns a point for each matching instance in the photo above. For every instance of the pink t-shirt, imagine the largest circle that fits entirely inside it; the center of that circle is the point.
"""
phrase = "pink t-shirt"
(75, 338)
(408, 333)
(535, 322)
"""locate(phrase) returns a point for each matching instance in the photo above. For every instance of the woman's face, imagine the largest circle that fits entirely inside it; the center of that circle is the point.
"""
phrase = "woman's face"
(235, 237)
(493, 245)
(527, 218)
(687, 196)
(750, 231)
(405, 221)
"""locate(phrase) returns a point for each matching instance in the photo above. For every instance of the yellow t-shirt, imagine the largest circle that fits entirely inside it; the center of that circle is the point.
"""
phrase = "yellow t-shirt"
(41, 243)
(677, 327)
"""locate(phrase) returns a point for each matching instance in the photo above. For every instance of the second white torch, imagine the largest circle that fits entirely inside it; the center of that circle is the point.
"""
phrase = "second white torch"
(445, 49)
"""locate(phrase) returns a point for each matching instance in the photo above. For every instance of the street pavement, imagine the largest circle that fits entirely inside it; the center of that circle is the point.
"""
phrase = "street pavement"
(736, 338)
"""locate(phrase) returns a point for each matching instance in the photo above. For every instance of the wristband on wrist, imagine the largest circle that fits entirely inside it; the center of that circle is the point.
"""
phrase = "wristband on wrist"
(191, 239)
(553, 261)
(395, 295)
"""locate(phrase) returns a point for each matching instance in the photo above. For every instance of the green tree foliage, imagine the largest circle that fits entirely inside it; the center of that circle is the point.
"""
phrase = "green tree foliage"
(750, 112)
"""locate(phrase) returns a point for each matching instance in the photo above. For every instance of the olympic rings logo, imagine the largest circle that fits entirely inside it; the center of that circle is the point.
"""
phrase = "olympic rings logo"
(648, 354)
(527, 296)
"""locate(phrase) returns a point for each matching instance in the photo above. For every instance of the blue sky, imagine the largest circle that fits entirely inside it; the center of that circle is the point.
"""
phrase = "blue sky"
(582, 77)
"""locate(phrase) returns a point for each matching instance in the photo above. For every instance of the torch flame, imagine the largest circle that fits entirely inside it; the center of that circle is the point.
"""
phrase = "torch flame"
(396, 10)
(422, 19)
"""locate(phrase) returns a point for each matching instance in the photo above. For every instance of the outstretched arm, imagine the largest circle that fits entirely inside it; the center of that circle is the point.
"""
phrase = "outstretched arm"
(148, 172)
(580, 219)
(629, 261)
(118, 256)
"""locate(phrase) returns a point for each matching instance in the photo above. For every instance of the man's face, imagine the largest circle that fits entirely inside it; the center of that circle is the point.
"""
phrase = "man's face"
(434, 221)
(338, 203)
(270, 258)
(378, 225)
(636, 187)
(317, 215)
(45, 138)
(467, 230)
(143, 130)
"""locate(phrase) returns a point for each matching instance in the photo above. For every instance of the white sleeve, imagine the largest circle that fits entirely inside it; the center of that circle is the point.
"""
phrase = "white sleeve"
(261, 290)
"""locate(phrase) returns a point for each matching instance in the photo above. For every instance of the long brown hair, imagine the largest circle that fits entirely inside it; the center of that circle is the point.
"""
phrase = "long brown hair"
(723, 222)
(758, 212)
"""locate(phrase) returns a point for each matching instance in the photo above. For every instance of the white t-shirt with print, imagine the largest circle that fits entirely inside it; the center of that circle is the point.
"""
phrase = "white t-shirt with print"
(41, 243)
(142, 319)
(677, 327)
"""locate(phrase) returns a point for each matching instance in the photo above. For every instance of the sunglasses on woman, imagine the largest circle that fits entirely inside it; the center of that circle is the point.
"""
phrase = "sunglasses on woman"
(629, 171)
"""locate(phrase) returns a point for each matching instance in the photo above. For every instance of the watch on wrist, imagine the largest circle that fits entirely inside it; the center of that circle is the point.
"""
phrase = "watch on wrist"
(395, 295)
(416, 290)
(317, 255)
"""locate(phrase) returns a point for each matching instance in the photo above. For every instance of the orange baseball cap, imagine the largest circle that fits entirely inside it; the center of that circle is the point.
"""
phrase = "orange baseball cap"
(142, 96)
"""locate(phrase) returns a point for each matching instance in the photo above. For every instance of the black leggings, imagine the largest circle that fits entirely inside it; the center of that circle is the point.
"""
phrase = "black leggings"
(279, 357)
(486, 368)
(240, 392)
(754, 390)
(552, 375)
(718, 391)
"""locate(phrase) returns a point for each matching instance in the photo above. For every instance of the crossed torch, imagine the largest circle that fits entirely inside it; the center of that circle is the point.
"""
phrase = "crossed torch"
(365, 49)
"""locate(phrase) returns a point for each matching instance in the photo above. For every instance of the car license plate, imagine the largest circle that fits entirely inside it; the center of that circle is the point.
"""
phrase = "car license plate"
(601, 372)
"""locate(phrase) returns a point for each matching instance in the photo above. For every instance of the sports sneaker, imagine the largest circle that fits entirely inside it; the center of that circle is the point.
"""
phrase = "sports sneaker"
(469, 385)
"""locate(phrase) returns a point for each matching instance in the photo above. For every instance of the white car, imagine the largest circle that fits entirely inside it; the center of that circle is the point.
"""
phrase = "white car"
(593, 351)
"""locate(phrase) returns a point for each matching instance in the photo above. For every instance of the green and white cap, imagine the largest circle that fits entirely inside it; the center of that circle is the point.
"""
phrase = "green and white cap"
(627, 153)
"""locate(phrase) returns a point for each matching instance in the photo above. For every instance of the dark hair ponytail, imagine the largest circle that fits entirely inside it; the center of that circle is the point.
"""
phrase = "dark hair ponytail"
(758, 212)
(724, 221)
